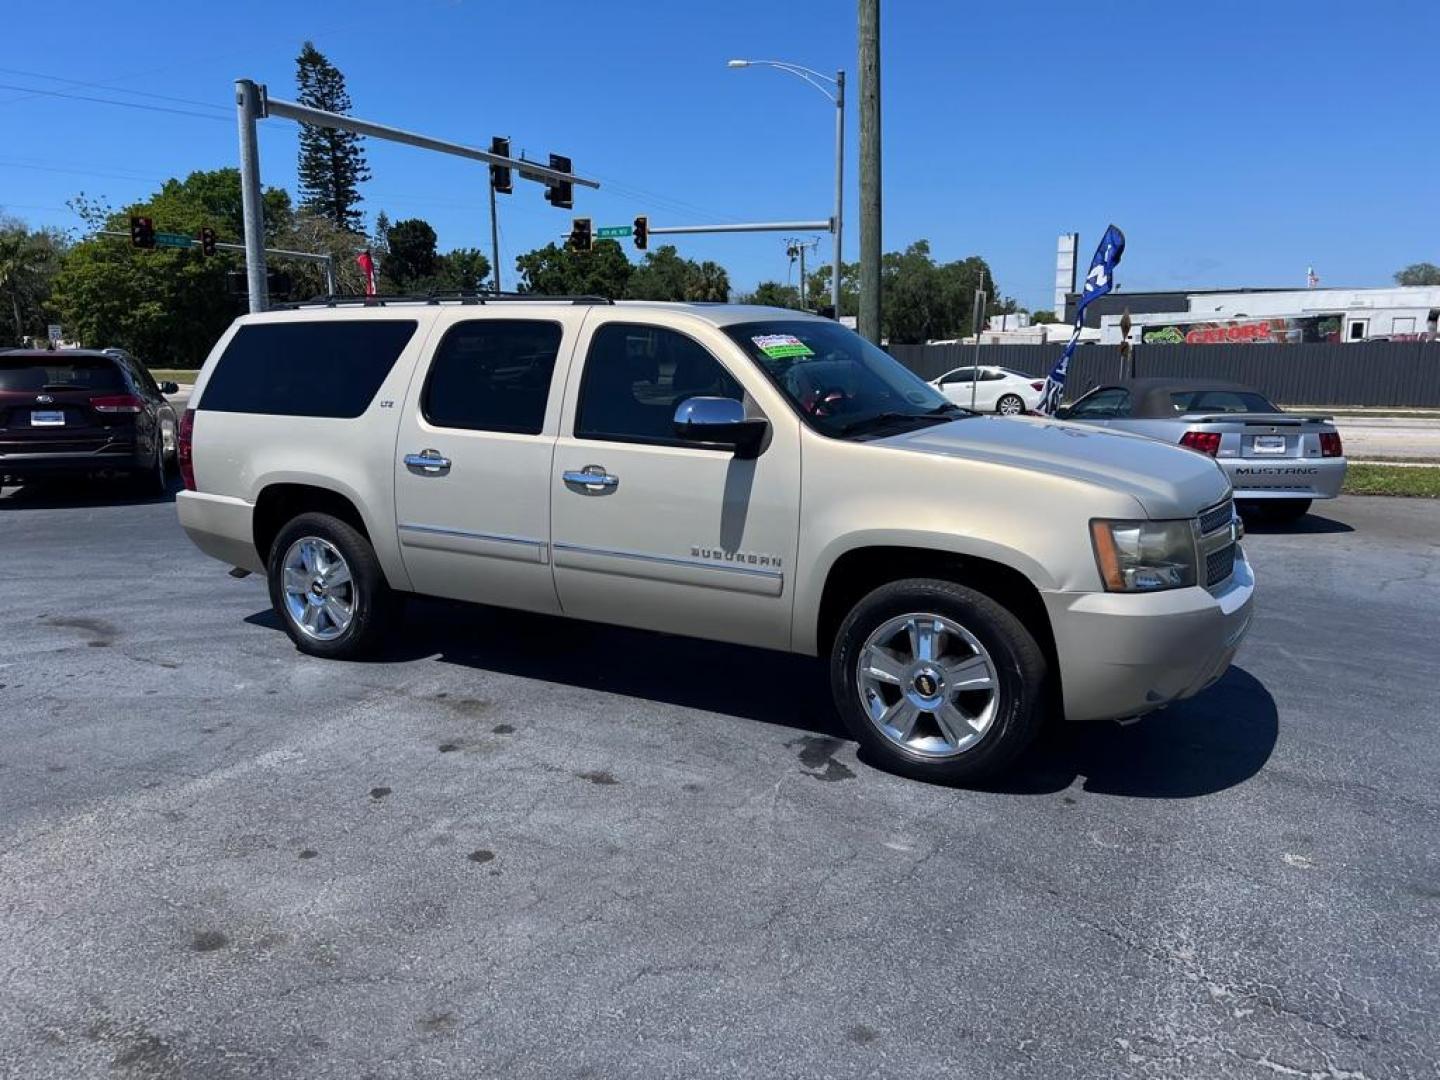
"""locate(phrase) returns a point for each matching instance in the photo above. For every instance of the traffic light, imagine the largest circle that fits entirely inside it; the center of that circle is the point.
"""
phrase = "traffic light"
(142, 232)
(560, 193)
(580, 234)
(500, 174)
(207, 241)
(642, 232)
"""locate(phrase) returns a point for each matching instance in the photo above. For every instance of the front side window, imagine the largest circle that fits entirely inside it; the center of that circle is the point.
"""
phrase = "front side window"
(959, 375)
(492, 375)
(839, 383)
(636, 375)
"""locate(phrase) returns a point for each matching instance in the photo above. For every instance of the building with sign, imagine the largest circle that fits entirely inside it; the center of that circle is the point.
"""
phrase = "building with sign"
(1277, 316)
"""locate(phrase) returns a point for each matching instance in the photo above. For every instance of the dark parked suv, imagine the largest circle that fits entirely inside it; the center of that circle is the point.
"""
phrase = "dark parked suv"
(81, 412)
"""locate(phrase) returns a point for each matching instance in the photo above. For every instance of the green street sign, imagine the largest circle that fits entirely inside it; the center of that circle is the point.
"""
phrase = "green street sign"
(170, 239)
(614, 232)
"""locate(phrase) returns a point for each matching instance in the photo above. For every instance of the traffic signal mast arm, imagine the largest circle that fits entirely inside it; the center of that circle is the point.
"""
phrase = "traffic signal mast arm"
(528, 170)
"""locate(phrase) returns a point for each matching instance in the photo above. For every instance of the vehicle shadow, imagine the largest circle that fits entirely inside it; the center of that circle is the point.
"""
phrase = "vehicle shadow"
(1310, 523)
(753, 684)
(1198, 747)
(1211, 742)
(69, 494)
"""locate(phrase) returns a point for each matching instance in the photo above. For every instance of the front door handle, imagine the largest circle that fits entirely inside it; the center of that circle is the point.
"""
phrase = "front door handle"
(592, 478)
(431, 462)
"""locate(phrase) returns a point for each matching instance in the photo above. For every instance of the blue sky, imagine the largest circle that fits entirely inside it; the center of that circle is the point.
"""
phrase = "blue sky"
(1235, 143)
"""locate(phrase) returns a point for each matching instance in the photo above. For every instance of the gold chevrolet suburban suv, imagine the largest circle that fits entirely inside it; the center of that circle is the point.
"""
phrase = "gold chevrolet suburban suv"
(743, 474)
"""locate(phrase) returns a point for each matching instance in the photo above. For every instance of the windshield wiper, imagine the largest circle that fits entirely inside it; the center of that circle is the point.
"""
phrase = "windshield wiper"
(881, 419)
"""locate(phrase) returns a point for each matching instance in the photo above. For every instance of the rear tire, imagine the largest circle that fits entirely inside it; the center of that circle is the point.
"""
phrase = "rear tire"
(1010, 405)
(982, 677)
(156, 479)
(349, 615)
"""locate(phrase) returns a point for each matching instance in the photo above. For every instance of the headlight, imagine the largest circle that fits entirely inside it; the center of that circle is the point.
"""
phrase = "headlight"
(1144, 556)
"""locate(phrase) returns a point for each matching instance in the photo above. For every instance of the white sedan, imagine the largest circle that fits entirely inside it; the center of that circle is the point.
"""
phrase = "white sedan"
(996, 390)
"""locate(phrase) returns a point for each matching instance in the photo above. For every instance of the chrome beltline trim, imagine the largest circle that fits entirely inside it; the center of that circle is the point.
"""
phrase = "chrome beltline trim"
(671, 560)
(498, 537)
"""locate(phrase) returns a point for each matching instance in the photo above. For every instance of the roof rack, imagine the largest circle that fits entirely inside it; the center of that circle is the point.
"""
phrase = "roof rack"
(459, 297)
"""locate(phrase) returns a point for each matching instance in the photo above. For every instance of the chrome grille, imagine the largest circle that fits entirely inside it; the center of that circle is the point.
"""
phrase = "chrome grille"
(1216, 517)
(1217, 541)
(1219, 565)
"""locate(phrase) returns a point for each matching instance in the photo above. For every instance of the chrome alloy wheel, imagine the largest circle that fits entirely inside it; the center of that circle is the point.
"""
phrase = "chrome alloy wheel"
(1010, 405)
(928, 685)
(319, 593)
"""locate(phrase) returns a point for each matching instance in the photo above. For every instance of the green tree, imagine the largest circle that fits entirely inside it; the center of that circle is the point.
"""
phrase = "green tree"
(559, 271)
(925, 301)
(167, 305)
(662, 275)
(1422, 273)
(666, 275)
(1039, 318)
(411, 255)
(332, 163)
(773, 294)
(28, 264)
(464, 269)
(708, 282)
(819, 287)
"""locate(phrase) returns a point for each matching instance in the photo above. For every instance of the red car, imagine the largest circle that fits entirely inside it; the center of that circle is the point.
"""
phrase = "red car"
(79, 412)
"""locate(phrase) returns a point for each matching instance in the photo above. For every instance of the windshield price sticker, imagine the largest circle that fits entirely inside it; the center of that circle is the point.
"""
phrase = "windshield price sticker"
(780, 346)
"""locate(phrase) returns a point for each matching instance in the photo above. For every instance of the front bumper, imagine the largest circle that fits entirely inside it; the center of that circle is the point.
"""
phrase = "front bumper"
(1293, 478)
(1125, 654)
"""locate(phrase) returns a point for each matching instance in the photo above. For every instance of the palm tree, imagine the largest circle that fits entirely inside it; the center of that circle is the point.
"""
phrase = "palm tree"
(24, 257)
(708, 281)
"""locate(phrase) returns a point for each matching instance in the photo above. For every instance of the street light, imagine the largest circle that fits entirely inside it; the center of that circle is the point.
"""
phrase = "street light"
(837, 98)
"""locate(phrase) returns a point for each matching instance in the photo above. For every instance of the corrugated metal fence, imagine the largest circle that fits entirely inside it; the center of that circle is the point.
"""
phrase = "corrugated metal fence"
(1395, 373)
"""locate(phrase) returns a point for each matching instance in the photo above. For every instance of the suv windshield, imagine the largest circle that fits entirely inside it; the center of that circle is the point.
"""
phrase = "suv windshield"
(841, 385)
(31, 373)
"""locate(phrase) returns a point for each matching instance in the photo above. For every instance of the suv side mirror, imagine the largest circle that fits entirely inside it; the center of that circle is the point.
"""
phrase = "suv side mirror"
(1063, 413)
(722, 421)
(169, 388)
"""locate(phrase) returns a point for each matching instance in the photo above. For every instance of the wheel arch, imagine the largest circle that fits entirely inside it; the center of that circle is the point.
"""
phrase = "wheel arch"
(860, 570)
(283, 501)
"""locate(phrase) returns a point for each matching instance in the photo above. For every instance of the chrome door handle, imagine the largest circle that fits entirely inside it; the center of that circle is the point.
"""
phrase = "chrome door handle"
(428, 461)
(592, 477)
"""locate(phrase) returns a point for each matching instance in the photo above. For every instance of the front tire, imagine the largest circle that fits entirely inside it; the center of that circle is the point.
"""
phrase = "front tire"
(938, 681)
(328, 588)
(1010, 405)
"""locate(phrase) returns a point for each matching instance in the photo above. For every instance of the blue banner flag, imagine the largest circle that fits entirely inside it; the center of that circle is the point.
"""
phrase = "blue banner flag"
(1099, 281)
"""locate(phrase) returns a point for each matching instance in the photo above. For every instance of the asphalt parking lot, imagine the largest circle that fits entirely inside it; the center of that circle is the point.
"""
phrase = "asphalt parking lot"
(520, 847)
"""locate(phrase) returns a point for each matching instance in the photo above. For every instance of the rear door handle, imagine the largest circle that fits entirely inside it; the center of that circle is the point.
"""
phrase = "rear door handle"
(592, 478)
(431, 462)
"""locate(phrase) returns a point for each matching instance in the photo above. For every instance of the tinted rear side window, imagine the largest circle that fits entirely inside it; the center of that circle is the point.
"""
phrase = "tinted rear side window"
(326, 368)
(492, 375)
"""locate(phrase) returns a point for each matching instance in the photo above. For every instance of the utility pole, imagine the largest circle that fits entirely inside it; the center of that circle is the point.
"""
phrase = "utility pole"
(494, 239)
(979, 321)
(838, 257)
(869, 66)
(247, 111)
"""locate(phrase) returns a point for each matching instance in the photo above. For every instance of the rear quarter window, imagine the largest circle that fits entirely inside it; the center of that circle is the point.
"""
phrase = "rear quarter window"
(329, 368)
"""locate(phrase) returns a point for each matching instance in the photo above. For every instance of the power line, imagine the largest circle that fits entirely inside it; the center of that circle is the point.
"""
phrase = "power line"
(101, 85)
(112, 101)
